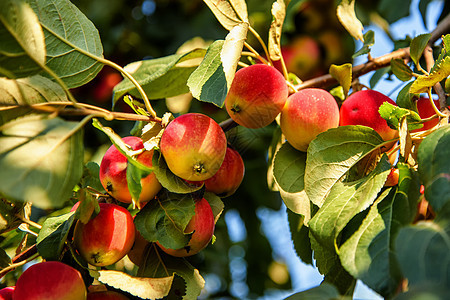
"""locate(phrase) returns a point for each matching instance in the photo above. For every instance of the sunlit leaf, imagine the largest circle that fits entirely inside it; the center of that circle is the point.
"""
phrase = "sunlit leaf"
(401, 70)
(393, 115)
(343, 74)
(417, 46)
(423, 82)
(369, 41)
(278, 15)
(347, 16)
(225, 13)
(232, 50)
(43, 159)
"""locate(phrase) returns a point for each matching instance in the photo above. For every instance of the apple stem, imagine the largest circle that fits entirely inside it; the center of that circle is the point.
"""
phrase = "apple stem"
(436, 110)
(258, 37)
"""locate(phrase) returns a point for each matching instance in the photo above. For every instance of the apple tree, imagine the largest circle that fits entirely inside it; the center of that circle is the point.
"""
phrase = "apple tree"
(128, 133)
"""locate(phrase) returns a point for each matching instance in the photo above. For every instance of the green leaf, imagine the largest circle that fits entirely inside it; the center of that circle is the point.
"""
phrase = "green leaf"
(405, 98)
(343, 74)
(10, 214)
(142, 287)
(344, 201)
(22, 50)
(278, 16)
(369, 253)
(300, 237)
(369, 41)
(393, 10)
(208, 83)
(216, 204)
(73, 42)
(423, 251)
(154, 74)
(434, 167)
(347, 16)
(232, 50)
(165, 219)
(334, 153)
(91, 177)
(401, 70)
(134, 176)
(158, 264)
(5, 260)
(325, 291)
(441, 70)
(289, 172)
(43, 159)
(53, 235)
(393, 115)
(226, 14)
(417, 46)
(169, 180)
(377, 75)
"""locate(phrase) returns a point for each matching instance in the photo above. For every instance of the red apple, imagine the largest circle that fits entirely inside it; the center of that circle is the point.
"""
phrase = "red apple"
(229, 177)
(256, 96)
(306, 114)
(425, 111)
(107, 237)
(51, 280)
(361, 108)
(113, 172)
(7, 293)
(193, 146)
(392, 178)
(106, 295)
(202, 225)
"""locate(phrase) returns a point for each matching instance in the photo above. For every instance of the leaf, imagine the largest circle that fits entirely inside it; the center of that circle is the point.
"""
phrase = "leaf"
(300, 237)
(208, 83)
(134, 176)
(343, 74)
(405, 98)
(377, 75)
(10, 214)
(226, 14)
(369, 41)
(22, 51)
(232, 50)
(344, 201)
(425, 291)
(5, 260)
(276, 27)
(289, 172)
(53, 235)
(393, 10)
(325, 291)
(333, 153)
(160, 77)
(91, 177)
(417, 46)
(73, 42)
(169, 180)
(43, 159)
(434, 167)
(347, 16)
(165, 220)
(439, 73)
(393, 115)
(158, 264)
(423, 251)
(401, 70)
(369, 253)
(216, 204)
(142, 287)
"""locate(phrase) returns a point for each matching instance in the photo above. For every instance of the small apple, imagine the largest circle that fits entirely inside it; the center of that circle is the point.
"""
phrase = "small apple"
(193, 146)
(7, 293)
(229, 177)
(425, 111)
(113, 172)
(392, 178)
(256, 96)
(202, 225)
(107, 237)
(307, 113)
(361, 108)
(106, 295)
(50, 280)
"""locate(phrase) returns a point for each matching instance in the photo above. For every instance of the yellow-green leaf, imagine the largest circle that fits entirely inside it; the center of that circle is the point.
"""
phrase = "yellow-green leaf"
(226, 14)
(232, 50)
(278, 15)
(347, 16)
(343, 74)
(423, 82)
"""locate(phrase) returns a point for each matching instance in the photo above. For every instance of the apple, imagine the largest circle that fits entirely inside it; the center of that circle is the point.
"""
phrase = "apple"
(113, 172)
(307, 113)
(425, 111)
(392, 178)
(361, 108)
(107, 237)
(7, 293)
(137, 252)
(202, 225)
(50, 280)
(229, 176)
(106, 295)
(256, 96)
(193, 146)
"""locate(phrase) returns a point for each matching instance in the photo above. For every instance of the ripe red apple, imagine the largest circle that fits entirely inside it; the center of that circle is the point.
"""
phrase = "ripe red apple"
(392, 178)
(306, 114)
(113, 172)
(256, 96)
(361, 108)
(193, 146)
(50, 280)
(425, 111)
(202, 225)
(229, 177)
(106, 295)
(7, 293)
(107, 237)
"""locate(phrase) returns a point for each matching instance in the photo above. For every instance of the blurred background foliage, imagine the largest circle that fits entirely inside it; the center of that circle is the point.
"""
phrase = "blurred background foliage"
(241, 263)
